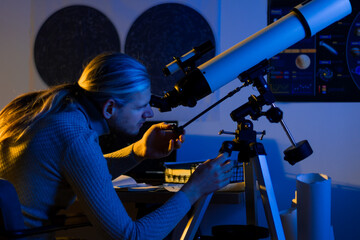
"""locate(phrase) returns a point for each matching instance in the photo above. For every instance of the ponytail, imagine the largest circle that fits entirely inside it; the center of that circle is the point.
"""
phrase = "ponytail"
(107, 75)
(25, 110)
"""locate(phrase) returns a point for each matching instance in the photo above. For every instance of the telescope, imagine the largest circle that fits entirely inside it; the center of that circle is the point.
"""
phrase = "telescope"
(304, 20)
(247, 61)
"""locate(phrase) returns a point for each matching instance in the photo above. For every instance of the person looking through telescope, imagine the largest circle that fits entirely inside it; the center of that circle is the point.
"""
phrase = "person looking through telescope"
(49, 148)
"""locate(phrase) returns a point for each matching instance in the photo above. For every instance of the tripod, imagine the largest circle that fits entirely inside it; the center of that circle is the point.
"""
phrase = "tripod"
(253, 155)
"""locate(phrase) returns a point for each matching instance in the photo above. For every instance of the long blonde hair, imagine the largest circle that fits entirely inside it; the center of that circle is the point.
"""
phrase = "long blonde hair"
(107, 75)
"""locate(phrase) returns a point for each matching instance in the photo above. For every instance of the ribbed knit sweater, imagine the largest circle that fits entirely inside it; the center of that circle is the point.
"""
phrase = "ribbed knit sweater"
(60, 159)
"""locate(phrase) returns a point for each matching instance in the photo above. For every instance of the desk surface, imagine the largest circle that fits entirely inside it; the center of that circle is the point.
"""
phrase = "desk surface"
(162, 196)
(159, 197)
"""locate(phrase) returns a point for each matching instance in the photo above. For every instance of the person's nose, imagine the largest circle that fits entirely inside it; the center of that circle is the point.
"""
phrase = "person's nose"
(148, 113)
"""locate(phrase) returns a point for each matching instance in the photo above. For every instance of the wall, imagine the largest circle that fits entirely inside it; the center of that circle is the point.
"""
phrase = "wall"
(331, 128)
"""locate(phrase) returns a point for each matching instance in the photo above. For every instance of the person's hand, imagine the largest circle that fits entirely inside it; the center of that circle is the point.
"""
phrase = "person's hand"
(158, 141)
(208, 177)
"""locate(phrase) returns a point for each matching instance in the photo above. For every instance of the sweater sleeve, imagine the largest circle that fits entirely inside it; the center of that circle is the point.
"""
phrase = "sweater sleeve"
(86, 170)
(121, 161)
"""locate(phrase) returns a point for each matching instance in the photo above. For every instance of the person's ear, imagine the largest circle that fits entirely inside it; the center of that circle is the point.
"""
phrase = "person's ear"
(109, 109)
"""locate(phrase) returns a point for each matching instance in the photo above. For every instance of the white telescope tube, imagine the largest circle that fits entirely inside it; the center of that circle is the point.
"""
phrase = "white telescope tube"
(305, 20)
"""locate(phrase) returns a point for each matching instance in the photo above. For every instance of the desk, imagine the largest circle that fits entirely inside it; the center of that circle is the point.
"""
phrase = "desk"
(137, 204)
(148, 201)
(160, 197)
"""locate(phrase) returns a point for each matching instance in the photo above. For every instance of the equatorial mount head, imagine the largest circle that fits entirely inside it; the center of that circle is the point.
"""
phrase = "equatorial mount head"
(253, 109)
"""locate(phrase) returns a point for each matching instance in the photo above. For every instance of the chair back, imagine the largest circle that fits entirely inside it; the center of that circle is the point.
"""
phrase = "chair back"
(12, 224)
(11, 217)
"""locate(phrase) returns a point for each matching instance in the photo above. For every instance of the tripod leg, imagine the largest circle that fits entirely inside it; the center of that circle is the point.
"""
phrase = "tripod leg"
(268, 197)
(250, 193)
(196, 217)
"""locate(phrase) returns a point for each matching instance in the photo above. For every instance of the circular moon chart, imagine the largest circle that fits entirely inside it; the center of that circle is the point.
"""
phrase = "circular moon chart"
(68, 39)
(165, 31)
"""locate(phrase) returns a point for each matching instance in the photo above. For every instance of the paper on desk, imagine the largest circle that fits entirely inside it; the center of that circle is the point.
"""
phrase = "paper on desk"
(124, 181)
(144, 188)
(130, 184)
(231, 187)
(313, 206)
(172, 187)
